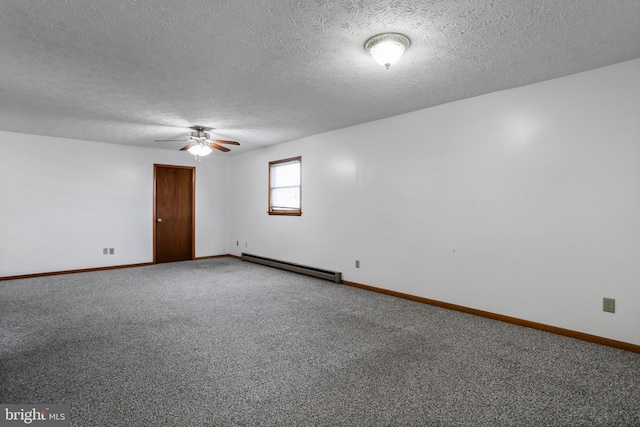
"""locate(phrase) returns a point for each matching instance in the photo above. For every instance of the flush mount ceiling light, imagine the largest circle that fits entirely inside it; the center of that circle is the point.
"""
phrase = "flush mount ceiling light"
(387, 49)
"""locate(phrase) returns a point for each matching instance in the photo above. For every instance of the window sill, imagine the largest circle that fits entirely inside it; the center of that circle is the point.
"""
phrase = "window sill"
(285, 213)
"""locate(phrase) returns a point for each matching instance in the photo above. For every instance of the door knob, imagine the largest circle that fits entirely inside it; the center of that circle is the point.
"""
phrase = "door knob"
(159, 220)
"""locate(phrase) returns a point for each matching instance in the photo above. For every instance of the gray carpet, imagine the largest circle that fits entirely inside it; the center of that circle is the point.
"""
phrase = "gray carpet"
(222, 342)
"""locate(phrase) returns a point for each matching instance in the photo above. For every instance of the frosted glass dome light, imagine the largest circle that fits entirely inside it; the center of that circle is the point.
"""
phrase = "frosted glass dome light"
(387, 49)
(200, 149)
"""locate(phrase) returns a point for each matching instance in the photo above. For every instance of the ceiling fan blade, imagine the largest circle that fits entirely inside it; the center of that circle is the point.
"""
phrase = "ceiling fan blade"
(186, 147)
(168, 140)
(219, 147)
(222, 141)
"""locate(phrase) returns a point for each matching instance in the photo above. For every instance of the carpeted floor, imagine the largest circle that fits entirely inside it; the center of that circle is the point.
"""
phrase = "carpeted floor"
(222, 342)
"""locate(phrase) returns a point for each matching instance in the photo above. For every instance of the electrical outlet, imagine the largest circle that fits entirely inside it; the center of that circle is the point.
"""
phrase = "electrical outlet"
(246, 244)
(237, 242)
(357, 263)
(105, 251)
(112, 251)
(609, 305)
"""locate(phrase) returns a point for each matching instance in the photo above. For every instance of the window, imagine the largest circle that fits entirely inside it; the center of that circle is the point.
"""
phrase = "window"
(284, 187)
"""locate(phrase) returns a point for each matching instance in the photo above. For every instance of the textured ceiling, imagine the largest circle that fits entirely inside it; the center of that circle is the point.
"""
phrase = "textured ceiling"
(268, 71)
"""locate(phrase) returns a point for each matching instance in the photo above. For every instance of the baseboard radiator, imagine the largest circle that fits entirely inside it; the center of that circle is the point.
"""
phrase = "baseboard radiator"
(303, 269)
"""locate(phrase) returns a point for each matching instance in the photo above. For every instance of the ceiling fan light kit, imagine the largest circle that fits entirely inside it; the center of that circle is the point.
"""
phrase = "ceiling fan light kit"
(387, 49)
(200, 149)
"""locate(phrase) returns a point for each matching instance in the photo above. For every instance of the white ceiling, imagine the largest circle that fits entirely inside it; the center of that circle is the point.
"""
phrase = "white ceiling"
(268, 71)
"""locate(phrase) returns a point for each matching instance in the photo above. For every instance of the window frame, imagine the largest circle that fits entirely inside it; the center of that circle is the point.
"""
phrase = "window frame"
(285, 212)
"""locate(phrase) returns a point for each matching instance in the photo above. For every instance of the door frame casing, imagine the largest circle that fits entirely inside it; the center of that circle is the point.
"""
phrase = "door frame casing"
(193, 206)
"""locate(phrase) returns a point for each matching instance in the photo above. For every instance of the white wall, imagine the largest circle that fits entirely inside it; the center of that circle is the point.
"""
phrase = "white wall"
(64, 200)
(524, 202)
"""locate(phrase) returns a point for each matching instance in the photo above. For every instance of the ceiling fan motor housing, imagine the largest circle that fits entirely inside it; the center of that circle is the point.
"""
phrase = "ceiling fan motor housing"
(200, 135)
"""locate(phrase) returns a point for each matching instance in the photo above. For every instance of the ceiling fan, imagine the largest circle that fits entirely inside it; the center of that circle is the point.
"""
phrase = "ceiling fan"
(200, 142)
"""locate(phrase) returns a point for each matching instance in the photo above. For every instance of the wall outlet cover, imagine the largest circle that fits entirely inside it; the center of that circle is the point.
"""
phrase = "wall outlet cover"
(609, 305)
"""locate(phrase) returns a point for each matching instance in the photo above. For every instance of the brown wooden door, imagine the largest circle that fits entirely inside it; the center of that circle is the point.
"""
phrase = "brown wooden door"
(174, 222)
